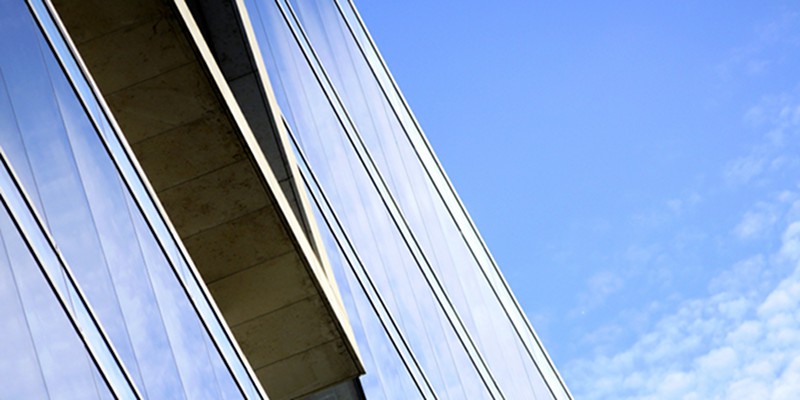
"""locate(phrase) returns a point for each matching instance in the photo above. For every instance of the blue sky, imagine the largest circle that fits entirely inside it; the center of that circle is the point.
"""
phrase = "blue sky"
(634, 169)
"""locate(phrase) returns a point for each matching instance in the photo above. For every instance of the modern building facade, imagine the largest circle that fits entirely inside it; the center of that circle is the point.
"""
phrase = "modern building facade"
(211, 199)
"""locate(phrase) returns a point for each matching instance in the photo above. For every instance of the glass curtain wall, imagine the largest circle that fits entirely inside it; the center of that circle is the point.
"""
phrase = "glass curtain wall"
(456, 211)
(137, 283)
(410, 263)
(47, 351)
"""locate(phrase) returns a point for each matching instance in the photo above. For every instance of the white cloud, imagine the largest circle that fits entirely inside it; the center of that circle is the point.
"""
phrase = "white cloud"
(718, 361)
(755, 58)
(777, 118)
(733, 344)
(741, 341)
(790, 245)
(756, 222)
(604, 283)
(743, 169)
(678, 206)
(740, 276)
(599, 286)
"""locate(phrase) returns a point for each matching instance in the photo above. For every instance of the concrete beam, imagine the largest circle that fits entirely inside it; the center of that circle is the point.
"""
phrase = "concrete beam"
(211, 175)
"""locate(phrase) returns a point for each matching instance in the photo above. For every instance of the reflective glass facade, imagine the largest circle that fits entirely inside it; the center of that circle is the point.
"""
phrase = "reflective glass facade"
(415, 274)
(101, 299)
(98, 295)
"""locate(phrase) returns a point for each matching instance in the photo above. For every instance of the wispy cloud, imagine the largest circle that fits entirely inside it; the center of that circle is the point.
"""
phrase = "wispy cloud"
(744, 169)
(678, 206)
(756, 222)
(735, 343)
(601, 285)
(779, 118)
(742, 339)
(753, 58)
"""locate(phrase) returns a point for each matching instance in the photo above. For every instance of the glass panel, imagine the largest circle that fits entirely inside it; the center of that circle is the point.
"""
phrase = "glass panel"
(41, 354)
(220, 338)
(529, 344)
(362, 211)
(123, 269)
(387, 371)
(380, 127)
(436, 221)
(62, 283)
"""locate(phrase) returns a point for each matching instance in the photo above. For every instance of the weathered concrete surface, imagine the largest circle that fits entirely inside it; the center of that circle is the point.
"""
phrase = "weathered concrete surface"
(210, 174)
(226, 27)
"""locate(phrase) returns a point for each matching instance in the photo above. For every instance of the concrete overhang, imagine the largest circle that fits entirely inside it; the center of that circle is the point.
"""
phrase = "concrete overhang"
(249, 232)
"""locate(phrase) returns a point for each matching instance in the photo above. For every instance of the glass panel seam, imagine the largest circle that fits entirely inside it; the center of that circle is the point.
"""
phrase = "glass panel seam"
(153, 198)
(437, 165)
(366, 274)
(71, 282)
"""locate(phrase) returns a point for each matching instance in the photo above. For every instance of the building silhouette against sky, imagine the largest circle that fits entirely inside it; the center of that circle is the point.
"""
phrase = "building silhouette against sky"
(227, 199)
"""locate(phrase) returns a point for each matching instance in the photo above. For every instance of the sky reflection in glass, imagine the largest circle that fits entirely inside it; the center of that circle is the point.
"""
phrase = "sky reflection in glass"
(404, 227)
(88, 209)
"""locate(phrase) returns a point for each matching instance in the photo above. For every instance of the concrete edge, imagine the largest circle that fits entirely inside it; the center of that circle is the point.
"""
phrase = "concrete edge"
(312, 263)
(283, 135)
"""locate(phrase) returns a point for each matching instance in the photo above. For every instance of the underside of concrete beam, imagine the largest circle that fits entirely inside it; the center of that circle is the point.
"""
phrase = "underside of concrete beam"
(248, 239)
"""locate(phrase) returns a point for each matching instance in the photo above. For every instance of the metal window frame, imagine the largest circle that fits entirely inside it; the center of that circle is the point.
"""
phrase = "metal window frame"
(88, 332)
(390, 203)
(433, 166)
